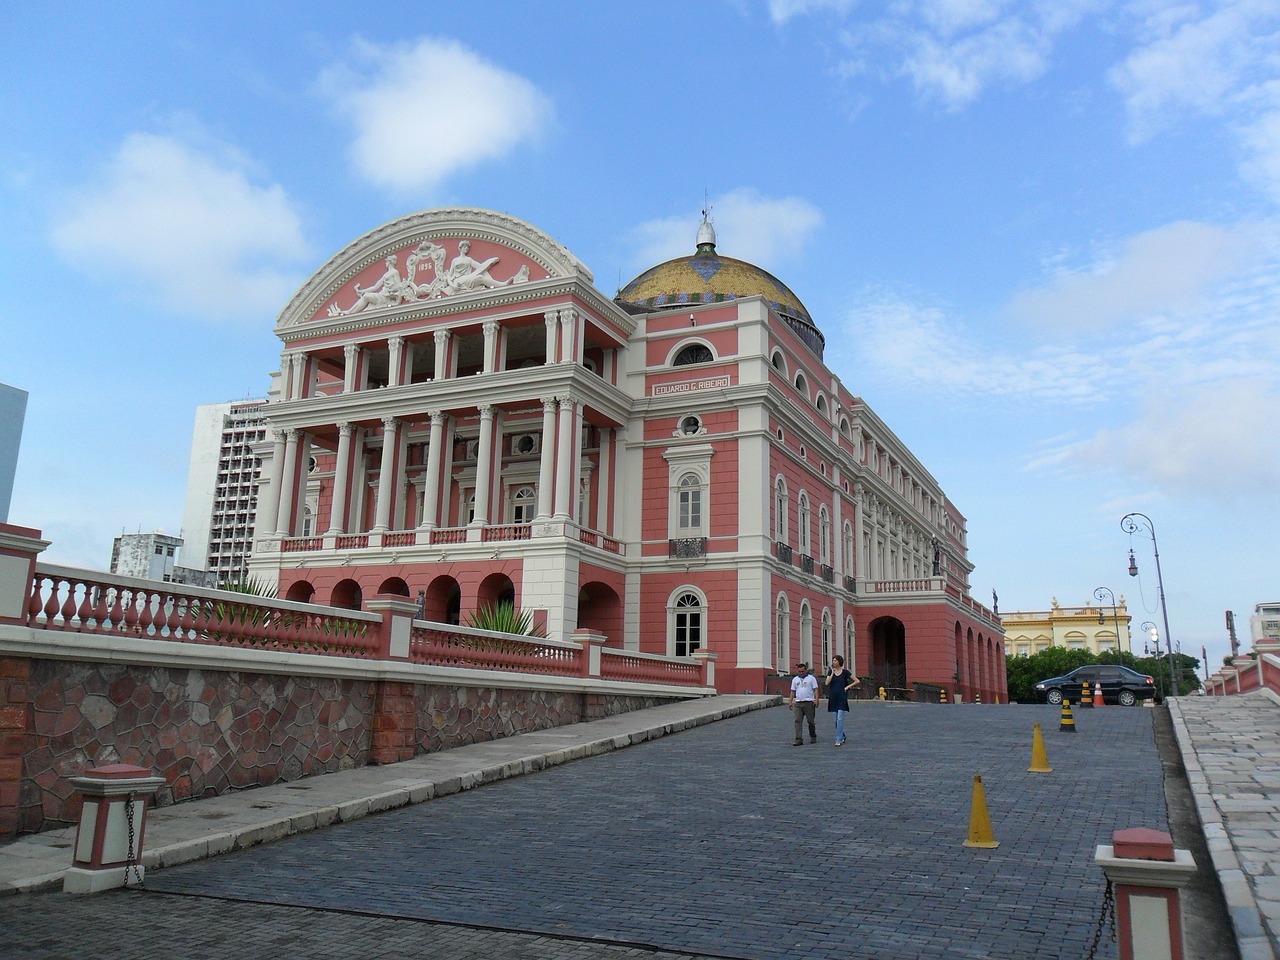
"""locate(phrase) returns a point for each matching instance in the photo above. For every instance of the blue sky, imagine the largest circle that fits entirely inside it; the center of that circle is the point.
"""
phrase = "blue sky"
(1042, 238)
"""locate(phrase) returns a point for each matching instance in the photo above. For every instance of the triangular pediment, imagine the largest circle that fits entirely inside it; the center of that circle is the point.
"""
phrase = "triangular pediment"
(426, 258)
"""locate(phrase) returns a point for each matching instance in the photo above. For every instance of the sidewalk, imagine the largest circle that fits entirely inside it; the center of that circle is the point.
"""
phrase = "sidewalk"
(1231, 749)
(205, 828)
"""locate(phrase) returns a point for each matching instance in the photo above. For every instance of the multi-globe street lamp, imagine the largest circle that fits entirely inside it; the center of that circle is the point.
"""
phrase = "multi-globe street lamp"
(1131, 523)
(1152, 645)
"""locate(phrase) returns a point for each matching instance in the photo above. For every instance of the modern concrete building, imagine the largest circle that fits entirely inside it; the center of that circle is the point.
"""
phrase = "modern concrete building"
(1264, 625)
(462, 416)
(222, 487)
(1096, 629)
(13, 410)
(153, 556)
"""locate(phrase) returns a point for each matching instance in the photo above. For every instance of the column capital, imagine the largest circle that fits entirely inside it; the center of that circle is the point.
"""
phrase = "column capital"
(566, 403)
(346, 428)
(390, 423)
(351, 351)
(550, 403)
(551, 318)
(568, 314)
(486, 411)
(278, 435)
(491, 327)
(441, 337)
(291, 435)
(437, 416)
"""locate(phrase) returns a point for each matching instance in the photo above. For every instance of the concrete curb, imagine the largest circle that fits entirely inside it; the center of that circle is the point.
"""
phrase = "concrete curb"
(1242, 906)
(24, 866)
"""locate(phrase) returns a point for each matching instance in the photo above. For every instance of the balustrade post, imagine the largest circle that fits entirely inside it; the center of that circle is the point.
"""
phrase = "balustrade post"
(19, 547)
(397, 623)
(113, 820)
(1147, 874)
(591, 641)
(706, 667)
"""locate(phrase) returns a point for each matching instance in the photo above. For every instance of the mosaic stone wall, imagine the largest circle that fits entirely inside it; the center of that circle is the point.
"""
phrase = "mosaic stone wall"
(206, 732)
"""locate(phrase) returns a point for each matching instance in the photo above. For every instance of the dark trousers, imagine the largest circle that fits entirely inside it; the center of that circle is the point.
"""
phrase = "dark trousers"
(806, 710)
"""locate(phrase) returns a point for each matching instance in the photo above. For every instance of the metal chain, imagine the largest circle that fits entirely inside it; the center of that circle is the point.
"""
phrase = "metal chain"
(129, 864)
(1107, 918)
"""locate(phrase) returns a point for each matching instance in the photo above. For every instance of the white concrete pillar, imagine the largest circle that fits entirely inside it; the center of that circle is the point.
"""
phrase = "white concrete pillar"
(552, 319)
(395, 361)
(484, 466)
(491, 328)
(569, 351)
(351, 358)
(547, 461)
(431, 492)
(604, 479)
(341, 477)
(288, 485)
(386, 478)
(566, 482)
(442, 353)
(269, 505)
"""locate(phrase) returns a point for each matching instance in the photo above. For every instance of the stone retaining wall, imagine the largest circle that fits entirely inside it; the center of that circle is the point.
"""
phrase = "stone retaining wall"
(208, 732)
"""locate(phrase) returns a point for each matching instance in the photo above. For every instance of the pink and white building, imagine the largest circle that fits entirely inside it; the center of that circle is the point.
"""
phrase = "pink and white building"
(462, 417)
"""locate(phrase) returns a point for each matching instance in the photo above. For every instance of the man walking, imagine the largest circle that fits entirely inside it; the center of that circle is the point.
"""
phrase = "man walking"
(804, 703)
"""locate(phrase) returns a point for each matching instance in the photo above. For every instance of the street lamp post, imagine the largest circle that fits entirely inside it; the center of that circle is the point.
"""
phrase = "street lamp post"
(1131, 523)
(1152, 641)
(1100, 594)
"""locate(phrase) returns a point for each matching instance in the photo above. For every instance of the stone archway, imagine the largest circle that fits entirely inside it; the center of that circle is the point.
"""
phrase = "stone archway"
(443, 601)
(600, 609)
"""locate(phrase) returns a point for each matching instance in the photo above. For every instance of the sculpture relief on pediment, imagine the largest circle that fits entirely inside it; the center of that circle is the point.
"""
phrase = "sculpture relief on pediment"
(429, 274)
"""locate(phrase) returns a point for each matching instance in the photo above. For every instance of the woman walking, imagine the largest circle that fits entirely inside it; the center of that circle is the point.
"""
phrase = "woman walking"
(839, 682)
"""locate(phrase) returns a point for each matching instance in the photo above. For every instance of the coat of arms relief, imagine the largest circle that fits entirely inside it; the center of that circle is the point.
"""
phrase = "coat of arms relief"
(462, 275)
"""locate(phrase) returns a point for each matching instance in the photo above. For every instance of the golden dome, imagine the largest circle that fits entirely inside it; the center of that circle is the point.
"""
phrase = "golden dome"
(707, 277)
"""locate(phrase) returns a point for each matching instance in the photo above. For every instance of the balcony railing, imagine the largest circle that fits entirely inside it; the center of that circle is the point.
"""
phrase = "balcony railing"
(686, 548)
(806, 563)
(784, 552)
(828, 573)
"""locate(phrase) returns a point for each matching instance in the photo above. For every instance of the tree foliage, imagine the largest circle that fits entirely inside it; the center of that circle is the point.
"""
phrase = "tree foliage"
(1024, 673)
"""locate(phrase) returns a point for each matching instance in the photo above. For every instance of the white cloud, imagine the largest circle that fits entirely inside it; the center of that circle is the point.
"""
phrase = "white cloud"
(761, 230)
(925, 349)
(426, 110)
(185, 228)
(1214, 440)
(1205, 62)
(1170, 269)
(783, 10)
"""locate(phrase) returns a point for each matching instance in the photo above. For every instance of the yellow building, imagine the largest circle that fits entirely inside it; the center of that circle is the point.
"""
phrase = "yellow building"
(1096, 629)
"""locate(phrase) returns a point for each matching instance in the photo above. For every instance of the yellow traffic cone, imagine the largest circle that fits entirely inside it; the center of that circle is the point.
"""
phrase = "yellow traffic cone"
(980, 834)
(1068, 724)
(1086, 695)
(1039, 759)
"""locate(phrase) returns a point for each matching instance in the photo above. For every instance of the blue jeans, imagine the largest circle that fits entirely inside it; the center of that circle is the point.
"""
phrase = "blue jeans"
(840, 715)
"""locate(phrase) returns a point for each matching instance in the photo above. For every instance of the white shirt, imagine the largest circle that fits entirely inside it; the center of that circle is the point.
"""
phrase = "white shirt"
(805, 689)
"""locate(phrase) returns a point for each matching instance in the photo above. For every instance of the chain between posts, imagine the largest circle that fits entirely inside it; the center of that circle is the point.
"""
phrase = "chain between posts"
(1107, 917)
(129, 856)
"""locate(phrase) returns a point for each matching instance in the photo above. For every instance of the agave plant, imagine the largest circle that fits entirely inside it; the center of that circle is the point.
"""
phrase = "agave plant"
(505, 618)
(244, 618)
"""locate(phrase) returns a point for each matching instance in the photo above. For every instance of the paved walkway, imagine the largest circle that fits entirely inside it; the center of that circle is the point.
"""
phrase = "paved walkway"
(1231, 750)
(724, 841)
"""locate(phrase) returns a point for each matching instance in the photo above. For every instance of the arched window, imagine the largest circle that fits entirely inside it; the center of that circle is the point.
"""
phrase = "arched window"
(848, 642)
(821, 403)
(824, 535)
(778, 361)
(689, 499)
(802, 521)
(806, 634)
(801, 384)
(686, 624)
(847, 542)
(844, 426)
(523, 504)
(780, 511)
(782, 634)
(826, 637)
(693, 353)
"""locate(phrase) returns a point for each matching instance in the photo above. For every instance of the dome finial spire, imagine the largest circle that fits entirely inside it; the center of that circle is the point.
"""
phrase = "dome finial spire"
(706, 232)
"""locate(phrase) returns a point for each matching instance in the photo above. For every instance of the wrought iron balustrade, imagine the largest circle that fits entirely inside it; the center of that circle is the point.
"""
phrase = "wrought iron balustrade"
(687, 547)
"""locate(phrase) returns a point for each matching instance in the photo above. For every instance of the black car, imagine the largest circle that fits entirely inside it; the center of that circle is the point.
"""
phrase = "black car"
(1120, 685)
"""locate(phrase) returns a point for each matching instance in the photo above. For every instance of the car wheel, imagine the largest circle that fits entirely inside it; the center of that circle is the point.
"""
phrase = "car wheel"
(1054, 697)
(1127, 699)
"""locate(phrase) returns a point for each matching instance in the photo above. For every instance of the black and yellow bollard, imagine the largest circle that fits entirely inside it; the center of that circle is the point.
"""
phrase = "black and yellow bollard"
(980, 834)
(977, 698)
(1068, 724)
(1039, 759)
(942, 695)
(1086, 694)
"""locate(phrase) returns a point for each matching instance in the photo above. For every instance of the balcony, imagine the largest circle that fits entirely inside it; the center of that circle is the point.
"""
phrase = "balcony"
(806, 563)
(687, 548)
(828, 573)
(784, 552)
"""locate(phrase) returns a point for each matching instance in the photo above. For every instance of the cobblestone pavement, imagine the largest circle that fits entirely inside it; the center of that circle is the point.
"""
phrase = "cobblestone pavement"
(720, 841)
(1231, 748)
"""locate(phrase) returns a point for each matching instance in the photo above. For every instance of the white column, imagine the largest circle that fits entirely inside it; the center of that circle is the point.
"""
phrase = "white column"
(567, 459)
(395, 361)
(431, 493)
(442, 353)
(603, 479)
(552, 319)
(299, 376)
(546, 460)
(484, 466)
(386, 480)
(341, 473)
(491, 328)
(569, 335)
(351, 355)
(284, 520)
(269, 505)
